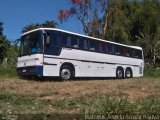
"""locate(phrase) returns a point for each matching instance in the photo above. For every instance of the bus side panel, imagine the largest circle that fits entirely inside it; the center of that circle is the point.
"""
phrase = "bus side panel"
(87, 65)
(50, 67)
(90, 64)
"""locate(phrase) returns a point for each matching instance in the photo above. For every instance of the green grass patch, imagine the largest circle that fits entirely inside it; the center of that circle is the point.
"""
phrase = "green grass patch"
(8, 72)
(101, 104)
(148, 72)
(7, 97)
(105, 105)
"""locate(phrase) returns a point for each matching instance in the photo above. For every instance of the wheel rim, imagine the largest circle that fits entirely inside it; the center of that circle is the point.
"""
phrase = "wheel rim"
(66, 74)
(120, 74)
(128, 73)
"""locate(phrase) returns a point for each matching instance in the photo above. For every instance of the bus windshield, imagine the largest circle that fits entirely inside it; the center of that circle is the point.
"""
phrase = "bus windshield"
(31, 44)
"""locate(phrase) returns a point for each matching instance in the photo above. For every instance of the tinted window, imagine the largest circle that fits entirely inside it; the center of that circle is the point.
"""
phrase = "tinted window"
(54, 45)
(117, 49)
(66, 40)
(92, 45)
(139, 54)
(125, 51)
(136, 53)
(107, 48)
(75, 42)
(102, 47)
(111, 48)
(84, 44)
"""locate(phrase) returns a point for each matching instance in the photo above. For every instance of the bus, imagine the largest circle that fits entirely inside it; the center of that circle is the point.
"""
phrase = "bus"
(52, 52)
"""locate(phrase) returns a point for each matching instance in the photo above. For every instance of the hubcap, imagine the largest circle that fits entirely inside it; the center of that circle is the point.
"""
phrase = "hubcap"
(119, 73)
(128, 74)
(66, 74)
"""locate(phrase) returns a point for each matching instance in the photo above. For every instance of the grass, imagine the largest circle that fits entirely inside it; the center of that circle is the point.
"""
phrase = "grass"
(152, 72)
(8, 72)
(120, 105)
(101, 104)
(31, 97)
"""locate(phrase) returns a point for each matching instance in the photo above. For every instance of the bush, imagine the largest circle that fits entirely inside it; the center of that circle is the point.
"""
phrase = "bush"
(7, 72)
(152, 72)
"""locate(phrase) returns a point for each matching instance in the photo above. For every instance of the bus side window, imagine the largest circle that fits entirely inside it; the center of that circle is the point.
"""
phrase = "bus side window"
(66, 40)
(75, 42)
(107, 48)
(54, 45)
(92, 45)
(85, 44)
(130, 53)
(103, 47)
(100, 47)
(111, 48)
(139, 54)
(125, 51)
(133, 53)
(117, 50)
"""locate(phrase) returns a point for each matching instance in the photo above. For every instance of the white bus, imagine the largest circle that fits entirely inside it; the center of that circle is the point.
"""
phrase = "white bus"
(53, 52)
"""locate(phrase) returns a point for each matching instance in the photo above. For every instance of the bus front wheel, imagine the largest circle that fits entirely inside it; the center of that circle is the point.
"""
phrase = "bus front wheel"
(66, 72)
(119, 73)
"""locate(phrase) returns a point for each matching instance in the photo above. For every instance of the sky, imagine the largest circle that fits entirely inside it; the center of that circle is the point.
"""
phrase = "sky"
(16, 14)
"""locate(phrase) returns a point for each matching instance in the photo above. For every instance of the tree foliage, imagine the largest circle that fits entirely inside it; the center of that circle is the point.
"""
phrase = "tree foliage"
(147, 20)
(4, 44)
(46, 24)
(87, 12)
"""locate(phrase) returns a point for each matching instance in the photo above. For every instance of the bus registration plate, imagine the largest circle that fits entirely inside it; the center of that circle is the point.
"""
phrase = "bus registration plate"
(24, 71)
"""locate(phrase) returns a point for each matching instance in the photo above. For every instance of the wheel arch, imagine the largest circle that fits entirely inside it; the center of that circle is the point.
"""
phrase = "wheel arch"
(70, 65)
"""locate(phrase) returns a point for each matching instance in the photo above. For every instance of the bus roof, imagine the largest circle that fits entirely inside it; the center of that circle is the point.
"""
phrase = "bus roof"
(55, 29)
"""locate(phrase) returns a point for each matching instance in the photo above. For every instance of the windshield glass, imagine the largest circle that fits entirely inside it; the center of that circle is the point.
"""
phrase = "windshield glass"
(31, 44)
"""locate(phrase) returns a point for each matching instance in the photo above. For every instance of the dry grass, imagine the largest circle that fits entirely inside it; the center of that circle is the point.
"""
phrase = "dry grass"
(53, 93)
(135, 88)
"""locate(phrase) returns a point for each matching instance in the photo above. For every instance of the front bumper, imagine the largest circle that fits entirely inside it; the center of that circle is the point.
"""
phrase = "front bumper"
(30, 70)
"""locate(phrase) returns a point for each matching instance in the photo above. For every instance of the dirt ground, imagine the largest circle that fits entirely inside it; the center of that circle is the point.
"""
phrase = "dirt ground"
(134, 88)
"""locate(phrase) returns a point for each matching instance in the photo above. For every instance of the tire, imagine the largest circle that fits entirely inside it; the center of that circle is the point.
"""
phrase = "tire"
(119, 73)
(128, 73)
(66, 72)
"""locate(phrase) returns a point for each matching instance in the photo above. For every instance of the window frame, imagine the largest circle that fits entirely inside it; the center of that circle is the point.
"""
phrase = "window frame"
(107, 47)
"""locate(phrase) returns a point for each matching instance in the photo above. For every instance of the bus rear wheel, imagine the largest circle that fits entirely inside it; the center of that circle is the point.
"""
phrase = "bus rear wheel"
(128, 73)
(119, 73)
(66, 72)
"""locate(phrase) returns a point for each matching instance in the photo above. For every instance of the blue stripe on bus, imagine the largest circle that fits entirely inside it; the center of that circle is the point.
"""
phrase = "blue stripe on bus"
(30, 70)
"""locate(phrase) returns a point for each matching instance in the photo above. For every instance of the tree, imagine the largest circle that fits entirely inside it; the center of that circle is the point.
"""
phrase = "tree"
(1, 28)
(118, 22)
(46, 24)
(4, 44)
(49, 24)
(87, 12)
(30, 27)
(148, 26)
